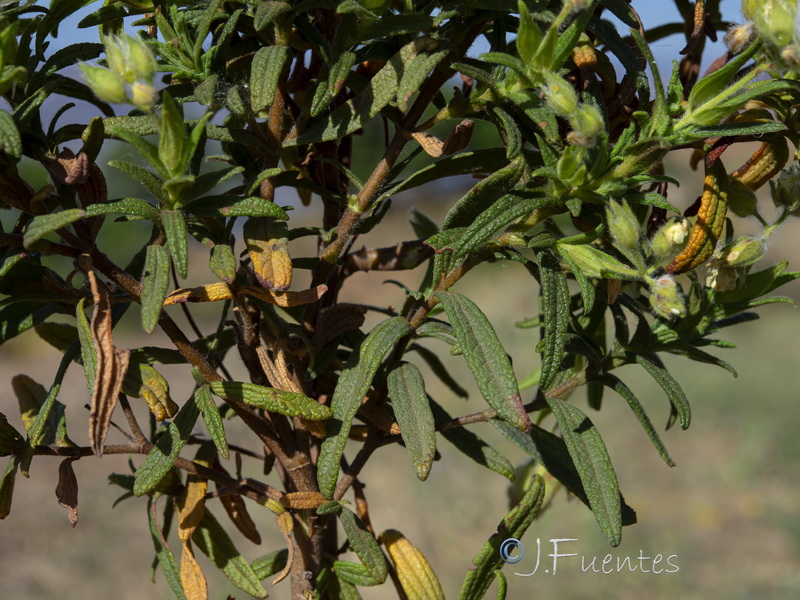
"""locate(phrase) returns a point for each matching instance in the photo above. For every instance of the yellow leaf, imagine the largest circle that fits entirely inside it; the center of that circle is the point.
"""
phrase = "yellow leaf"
(413, 570)
(191, 507)
(267, 243)
(192, 579)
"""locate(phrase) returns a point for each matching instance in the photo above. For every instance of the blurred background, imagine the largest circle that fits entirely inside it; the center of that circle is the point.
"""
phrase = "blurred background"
(727, 514)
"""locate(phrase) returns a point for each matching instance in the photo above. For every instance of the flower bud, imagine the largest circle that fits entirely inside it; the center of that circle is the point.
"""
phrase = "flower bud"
(786, 190)
(623, 227)
(130, 58)
(721, 277)
(774, 19)
(106, 85)
(143, 95)
(744, 252)
(560, 95)
(586, 122)
(670, 239)
(666, 298)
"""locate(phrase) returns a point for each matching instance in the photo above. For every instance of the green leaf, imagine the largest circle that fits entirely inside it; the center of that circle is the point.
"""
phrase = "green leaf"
(155, 284)
(337, 76)
(133, 207)
(88, 353)
(413, 412)
(364, 545)
(529, 36)
(291, 404)
(502, 212)
(415, 73)
(436, 365)
(736, 129)
(350, 391)
(271, 563)
(472, 446)
(670, 385)
(223, 262)
(512, 137)
(514, 525)
(555, 316)
(175, 229)
(353, 573)
(623, 390)
(164, 555)
(7, 486)
(152, 182)
(268, 64)
(212, 540)
(486, 358)
(482, 195)
(355, 113)
(173, 135)
(715, 83)
(10, 140)
(269, 12)
(169, 444)
(130, 130)
(44, 224)
(21, 316)
(212, 419)
(228, 205)
(594, 467)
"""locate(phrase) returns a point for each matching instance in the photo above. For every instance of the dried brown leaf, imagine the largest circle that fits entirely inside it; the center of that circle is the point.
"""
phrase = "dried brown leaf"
(303, 500)
(459, 138)
(286, 525)
(111, 366)
(237, 511)
(430, 143)
(67, 490)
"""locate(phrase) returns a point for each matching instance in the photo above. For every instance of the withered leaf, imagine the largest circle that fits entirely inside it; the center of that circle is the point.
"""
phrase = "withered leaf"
(267, 243)
(430, 143)
(303, 500)
(193, 581)
(191, 507)
(237, 511)
(67, 490)
(111, 365)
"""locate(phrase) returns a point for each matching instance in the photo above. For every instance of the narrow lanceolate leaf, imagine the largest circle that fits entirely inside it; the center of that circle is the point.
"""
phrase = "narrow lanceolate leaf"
(155, 283)
(163, 553)
(413, 413)
(350, 391)
(364, 545)
(67, 490)
(623, 390)
(175, 229)
(110, 367)
(236, 508)
(268, 63)
(474, 447)
(212, 419)
(31, 397)
(43, 224)
(223, 262)
(594, 467)
(271, 563)
(555, 316)
(159, 461)
(229, 205)
(483, 194)
(193, 581)
(415, 73)
(132, 207)
(291, 404)
(514, 525)
(267, 244)
(10, 140)
(355, 113)
(37, 429)
(486, 358)
(670, 385)
(7, 486)
(88, 354)
(212, 540)
(416, 576)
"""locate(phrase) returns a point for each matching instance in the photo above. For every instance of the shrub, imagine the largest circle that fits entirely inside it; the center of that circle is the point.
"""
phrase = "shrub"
(572, 185)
